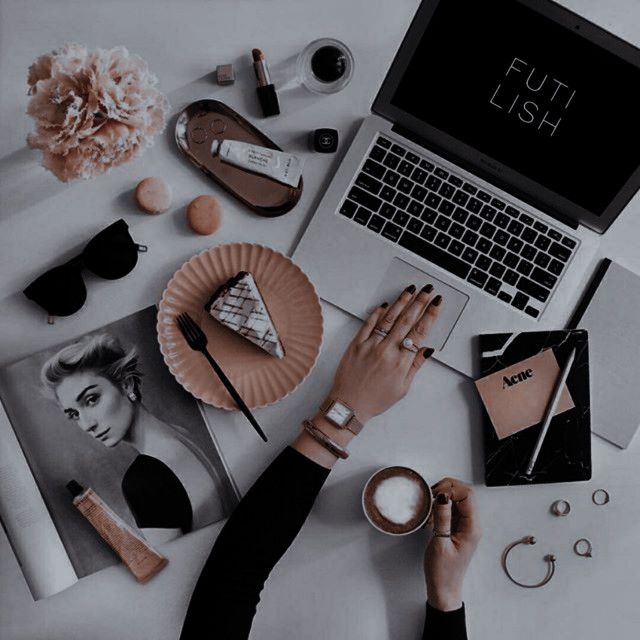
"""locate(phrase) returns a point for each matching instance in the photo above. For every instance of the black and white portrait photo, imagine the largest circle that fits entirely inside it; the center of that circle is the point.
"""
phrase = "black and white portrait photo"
(104, 410)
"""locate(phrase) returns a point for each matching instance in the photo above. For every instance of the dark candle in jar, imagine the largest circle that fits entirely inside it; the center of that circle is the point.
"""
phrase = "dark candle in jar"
(328, 64)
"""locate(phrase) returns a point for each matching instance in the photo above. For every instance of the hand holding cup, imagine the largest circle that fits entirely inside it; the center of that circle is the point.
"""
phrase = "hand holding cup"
(456, 533)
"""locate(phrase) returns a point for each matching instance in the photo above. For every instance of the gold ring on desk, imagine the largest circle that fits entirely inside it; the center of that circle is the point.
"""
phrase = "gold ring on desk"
(600, 497)
(560, 508)
(583, 548)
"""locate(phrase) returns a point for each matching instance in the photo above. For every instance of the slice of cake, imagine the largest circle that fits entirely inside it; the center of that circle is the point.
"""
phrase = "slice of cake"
(238, 305)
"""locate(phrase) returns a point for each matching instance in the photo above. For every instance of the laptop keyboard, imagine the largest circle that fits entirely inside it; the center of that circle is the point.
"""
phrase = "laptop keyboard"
(458, 226)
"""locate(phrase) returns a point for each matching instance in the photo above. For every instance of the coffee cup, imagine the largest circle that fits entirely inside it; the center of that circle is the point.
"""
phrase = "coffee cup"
(397, 500)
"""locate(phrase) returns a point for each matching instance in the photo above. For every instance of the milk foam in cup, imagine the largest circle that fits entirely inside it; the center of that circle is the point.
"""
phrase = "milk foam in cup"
(397, 500)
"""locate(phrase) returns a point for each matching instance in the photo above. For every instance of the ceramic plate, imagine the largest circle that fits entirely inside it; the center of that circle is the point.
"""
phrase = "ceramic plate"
(260, 378)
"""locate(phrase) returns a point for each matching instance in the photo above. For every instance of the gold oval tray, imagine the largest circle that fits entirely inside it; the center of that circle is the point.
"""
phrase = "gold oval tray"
(204, 121)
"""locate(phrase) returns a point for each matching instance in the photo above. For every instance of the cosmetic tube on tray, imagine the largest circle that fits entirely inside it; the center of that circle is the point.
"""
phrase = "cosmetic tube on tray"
(278, 165)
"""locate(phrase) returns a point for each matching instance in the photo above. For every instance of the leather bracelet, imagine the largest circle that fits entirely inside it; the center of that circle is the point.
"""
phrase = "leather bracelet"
(323, 439)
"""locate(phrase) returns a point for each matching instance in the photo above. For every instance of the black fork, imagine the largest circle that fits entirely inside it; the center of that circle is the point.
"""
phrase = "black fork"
(197, 340)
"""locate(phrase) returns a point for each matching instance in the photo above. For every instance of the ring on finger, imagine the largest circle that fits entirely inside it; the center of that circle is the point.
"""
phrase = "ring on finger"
(442, 534)
(380, 332)
(409, 345)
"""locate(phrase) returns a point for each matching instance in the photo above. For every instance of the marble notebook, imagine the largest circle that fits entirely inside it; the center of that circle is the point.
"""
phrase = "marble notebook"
(566, 452)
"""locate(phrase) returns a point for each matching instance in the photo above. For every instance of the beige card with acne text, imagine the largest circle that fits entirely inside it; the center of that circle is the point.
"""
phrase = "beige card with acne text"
(516, 397)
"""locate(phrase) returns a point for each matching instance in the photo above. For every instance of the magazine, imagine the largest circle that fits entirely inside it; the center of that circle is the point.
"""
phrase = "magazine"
(103, 410)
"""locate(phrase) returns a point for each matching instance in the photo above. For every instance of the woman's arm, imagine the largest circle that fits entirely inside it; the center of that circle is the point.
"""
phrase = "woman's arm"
(256, 536)
(444, 625)
(373, 374)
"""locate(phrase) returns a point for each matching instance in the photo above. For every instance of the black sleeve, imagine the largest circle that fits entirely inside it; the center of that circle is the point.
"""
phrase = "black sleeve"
(253, 540)
(155, 495)
(444, 625)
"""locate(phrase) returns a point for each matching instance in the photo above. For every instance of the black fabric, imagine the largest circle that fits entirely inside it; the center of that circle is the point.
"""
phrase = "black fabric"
(255, 537)
(110, 254)
(155, 496)
(444, 625)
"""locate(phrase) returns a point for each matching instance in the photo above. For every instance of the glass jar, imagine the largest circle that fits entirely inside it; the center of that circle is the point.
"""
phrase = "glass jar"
(325, 66)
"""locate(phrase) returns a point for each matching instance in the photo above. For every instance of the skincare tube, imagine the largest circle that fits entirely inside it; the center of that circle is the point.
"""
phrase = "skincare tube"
(275, 164)
(142, 560)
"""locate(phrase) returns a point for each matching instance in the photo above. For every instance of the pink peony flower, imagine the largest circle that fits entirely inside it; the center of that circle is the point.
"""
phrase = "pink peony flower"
(93, 110)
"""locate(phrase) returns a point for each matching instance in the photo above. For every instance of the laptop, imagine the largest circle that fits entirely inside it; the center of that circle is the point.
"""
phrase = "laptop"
(502, 142)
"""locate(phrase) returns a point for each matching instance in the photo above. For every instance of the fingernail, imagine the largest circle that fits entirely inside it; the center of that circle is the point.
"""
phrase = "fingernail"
(442, 498)
(384, 305)
(427, 353)
(411, 288)
(428, 288)
(437, 300)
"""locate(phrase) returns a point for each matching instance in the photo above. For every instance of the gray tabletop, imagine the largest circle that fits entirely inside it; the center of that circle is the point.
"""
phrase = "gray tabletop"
(340, 579)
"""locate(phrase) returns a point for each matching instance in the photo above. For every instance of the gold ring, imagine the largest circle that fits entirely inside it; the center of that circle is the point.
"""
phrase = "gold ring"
(560, 508)
(583, 548)
(600, 497)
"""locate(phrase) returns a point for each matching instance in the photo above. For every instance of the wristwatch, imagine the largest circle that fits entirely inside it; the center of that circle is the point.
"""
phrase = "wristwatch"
(341, 415)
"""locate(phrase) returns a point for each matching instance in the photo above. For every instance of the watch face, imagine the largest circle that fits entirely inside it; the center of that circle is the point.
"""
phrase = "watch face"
(339, 414)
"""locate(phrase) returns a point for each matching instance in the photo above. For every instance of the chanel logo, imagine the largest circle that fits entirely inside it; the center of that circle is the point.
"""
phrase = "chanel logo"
(509, 381)
(326, 140)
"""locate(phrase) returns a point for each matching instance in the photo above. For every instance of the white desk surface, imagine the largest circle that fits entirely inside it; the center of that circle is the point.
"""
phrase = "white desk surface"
(340, 579)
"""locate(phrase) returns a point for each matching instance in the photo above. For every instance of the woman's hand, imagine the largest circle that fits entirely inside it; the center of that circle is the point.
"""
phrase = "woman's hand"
(376, 371)
(447, 558)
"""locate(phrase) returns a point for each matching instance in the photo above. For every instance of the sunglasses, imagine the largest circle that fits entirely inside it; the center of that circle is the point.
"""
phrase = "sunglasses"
(110, 254)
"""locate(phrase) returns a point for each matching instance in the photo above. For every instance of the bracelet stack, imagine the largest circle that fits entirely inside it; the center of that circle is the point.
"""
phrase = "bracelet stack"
(323, 439)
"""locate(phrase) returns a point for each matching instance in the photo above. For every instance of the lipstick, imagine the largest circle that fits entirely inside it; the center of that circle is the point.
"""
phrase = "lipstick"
(265, 90)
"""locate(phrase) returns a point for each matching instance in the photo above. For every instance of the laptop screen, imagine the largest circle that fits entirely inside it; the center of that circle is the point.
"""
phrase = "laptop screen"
(530, 93)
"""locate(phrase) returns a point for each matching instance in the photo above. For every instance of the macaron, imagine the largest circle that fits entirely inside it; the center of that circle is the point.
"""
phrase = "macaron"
(204, 215)
(153, 195)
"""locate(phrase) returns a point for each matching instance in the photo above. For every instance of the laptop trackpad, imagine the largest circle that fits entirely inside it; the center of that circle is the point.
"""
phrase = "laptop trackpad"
(401, 274)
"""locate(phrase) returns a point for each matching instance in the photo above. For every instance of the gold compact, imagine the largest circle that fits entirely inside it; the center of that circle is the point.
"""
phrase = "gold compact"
(204, 121)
